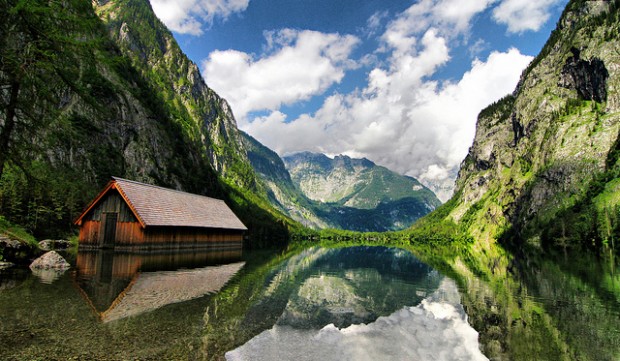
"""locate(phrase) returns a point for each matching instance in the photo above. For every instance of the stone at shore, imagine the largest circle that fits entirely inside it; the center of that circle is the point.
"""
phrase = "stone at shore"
(7, 242)
(50, 260)
(46, 245)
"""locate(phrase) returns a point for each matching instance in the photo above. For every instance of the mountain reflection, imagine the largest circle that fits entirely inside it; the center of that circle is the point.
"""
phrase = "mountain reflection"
(119, 285)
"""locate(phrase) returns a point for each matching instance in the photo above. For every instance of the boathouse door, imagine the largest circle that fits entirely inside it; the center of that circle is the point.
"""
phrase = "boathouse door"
(109, 229)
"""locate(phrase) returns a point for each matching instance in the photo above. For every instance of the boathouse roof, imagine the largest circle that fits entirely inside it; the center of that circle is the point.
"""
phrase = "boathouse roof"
(155, 206)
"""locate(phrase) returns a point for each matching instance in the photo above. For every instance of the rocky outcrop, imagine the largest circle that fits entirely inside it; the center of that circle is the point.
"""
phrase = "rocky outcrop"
(587, 77)
(8, 242)
(16, 251)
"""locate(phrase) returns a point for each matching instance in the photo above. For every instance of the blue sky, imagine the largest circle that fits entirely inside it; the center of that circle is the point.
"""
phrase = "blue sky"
(398, 82)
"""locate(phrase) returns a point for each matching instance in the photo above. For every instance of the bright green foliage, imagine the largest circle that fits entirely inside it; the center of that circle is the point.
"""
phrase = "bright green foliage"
(15, 232)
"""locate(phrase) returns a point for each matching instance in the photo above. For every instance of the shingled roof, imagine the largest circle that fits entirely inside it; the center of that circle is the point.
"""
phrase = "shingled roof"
(157, 206)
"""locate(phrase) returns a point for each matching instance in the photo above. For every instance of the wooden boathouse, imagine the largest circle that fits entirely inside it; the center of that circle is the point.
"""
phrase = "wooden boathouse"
(128, 215)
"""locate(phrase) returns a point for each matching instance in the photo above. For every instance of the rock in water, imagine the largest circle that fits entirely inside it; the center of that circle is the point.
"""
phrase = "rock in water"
(46, 245)
(49, 244)
(50, 260)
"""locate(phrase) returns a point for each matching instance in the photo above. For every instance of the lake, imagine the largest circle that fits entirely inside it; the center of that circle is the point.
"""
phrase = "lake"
(310, 302)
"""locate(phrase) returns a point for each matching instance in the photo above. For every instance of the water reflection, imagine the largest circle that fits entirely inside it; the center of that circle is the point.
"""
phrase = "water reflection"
(119, 285)
(350, 285)
(315, 303)
(436, 329)
(355, 303)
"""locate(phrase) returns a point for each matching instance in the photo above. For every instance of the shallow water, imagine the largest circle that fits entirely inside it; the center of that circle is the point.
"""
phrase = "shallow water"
(310, 303)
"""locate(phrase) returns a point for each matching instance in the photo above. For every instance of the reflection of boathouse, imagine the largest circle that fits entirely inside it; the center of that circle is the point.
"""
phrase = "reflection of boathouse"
(128, 214)
(120, 285)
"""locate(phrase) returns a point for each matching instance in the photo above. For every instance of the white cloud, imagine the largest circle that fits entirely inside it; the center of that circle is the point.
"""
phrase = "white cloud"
(374, 23)
(187, 16)
(300, 64)
(457, 14)
(403, 119)
(522, 15)
(436, 329)
(450, 17)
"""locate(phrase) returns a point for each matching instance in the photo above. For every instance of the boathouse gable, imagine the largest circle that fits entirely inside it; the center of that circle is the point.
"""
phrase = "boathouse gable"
(128, 215)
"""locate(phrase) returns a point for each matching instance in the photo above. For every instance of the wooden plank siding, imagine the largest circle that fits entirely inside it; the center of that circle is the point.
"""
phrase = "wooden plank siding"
(131, 234)
(91, 233)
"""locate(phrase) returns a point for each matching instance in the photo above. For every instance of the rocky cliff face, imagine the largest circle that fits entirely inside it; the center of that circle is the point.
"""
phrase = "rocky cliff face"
(204, 115)
(551, 146)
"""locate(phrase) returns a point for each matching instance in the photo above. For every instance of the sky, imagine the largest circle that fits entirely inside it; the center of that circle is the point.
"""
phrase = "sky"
(399, 82)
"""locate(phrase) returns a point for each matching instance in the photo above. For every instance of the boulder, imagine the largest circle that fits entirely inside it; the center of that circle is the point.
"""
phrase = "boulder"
(50, 260)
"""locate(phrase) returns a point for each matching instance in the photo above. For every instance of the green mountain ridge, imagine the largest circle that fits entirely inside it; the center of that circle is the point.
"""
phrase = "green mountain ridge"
(384, 200)
(544, 165)
(279, 187)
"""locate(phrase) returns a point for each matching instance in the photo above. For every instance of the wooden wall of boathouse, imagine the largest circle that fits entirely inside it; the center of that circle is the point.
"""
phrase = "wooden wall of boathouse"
(112, 208)
(112, 224)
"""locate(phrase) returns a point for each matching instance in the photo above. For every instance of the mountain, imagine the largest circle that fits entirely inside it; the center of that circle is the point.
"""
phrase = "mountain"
(279, 188)
(357, 183)
(203, 114)
(544, 165)
(102, 89)
(356, 194)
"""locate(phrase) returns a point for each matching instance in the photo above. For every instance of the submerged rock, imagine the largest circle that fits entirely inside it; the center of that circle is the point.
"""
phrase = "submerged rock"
(50, 244)
(49, 275)
(50, 260)
(5, 265)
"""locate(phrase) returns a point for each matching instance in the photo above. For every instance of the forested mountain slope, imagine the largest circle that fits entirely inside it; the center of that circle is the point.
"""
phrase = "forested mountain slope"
(87, 95)
(544, 165)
